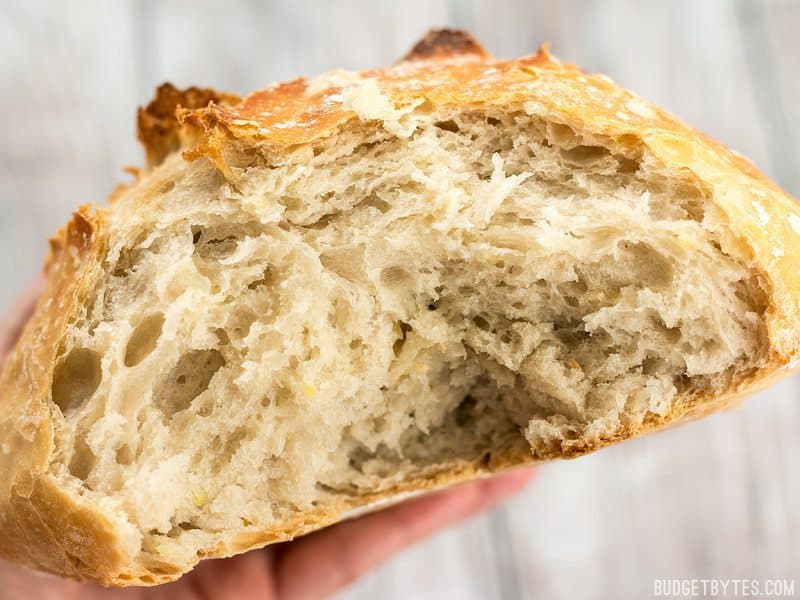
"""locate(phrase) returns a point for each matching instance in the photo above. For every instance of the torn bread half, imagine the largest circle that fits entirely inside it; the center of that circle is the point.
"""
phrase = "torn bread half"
(341, 289)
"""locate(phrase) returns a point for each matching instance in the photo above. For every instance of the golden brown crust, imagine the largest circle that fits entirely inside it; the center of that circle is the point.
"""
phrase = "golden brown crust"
(441, 44)
(50, 531)
(25, 424)
(157, 127)
(41, 523)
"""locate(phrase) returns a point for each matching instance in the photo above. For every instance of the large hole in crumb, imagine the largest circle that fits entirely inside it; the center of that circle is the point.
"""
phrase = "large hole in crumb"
(394, 276)
(448, 125)
(373, 201)
(562, 135)
(645, 264)
(77, 376)
(464, 413)
(237, 438)
(188, 379)
(131, 256)
(584, 155)
(266, 280)
(124, 455)
(143, 340)
(82, 461)
(347, 262)
(215, 243)
(239, 322)
(403, 329)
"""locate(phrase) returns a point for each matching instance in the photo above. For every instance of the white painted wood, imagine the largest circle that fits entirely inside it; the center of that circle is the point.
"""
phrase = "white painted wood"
(780, 43)
(66, 111)
(718, 498)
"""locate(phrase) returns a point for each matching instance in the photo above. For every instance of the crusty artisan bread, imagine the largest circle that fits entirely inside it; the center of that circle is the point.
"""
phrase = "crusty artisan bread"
(338, 290)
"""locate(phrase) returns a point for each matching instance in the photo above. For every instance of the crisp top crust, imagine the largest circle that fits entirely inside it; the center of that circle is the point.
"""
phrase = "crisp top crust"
(157, 127)
(445, 68)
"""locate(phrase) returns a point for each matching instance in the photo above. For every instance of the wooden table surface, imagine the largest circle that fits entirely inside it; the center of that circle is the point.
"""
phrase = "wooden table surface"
(719, 498)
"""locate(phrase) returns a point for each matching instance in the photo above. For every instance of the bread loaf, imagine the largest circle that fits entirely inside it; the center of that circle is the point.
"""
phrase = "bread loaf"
(341, 289)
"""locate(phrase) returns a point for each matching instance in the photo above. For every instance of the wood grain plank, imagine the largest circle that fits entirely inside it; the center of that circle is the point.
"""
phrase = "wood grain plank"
(781, 42)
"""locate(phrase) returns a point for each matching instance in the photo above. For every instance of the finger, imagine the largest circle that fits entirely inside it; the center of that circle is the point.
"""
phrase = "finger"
(242, 577)
(318, 564)
(18, 583)
(12, 323)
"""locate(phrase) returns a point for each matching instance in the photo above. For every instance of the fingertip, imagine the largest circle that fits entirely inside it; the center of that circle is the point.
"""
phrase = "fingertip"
(506, 484)
(514, 479)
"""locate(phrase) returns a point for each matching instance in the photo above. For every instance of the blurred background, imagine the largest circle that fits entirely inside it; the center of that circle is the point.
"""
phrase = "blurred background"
(715, 499)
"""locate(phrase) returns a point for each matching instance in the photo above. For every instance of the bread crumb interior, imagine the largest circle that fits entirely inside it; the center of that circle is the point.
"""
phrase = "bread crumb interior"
(333, 320)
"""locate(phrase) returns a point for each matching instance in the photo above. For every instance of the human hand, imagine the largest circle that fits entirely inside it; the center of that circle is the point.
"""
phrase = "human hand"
(313, 566)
